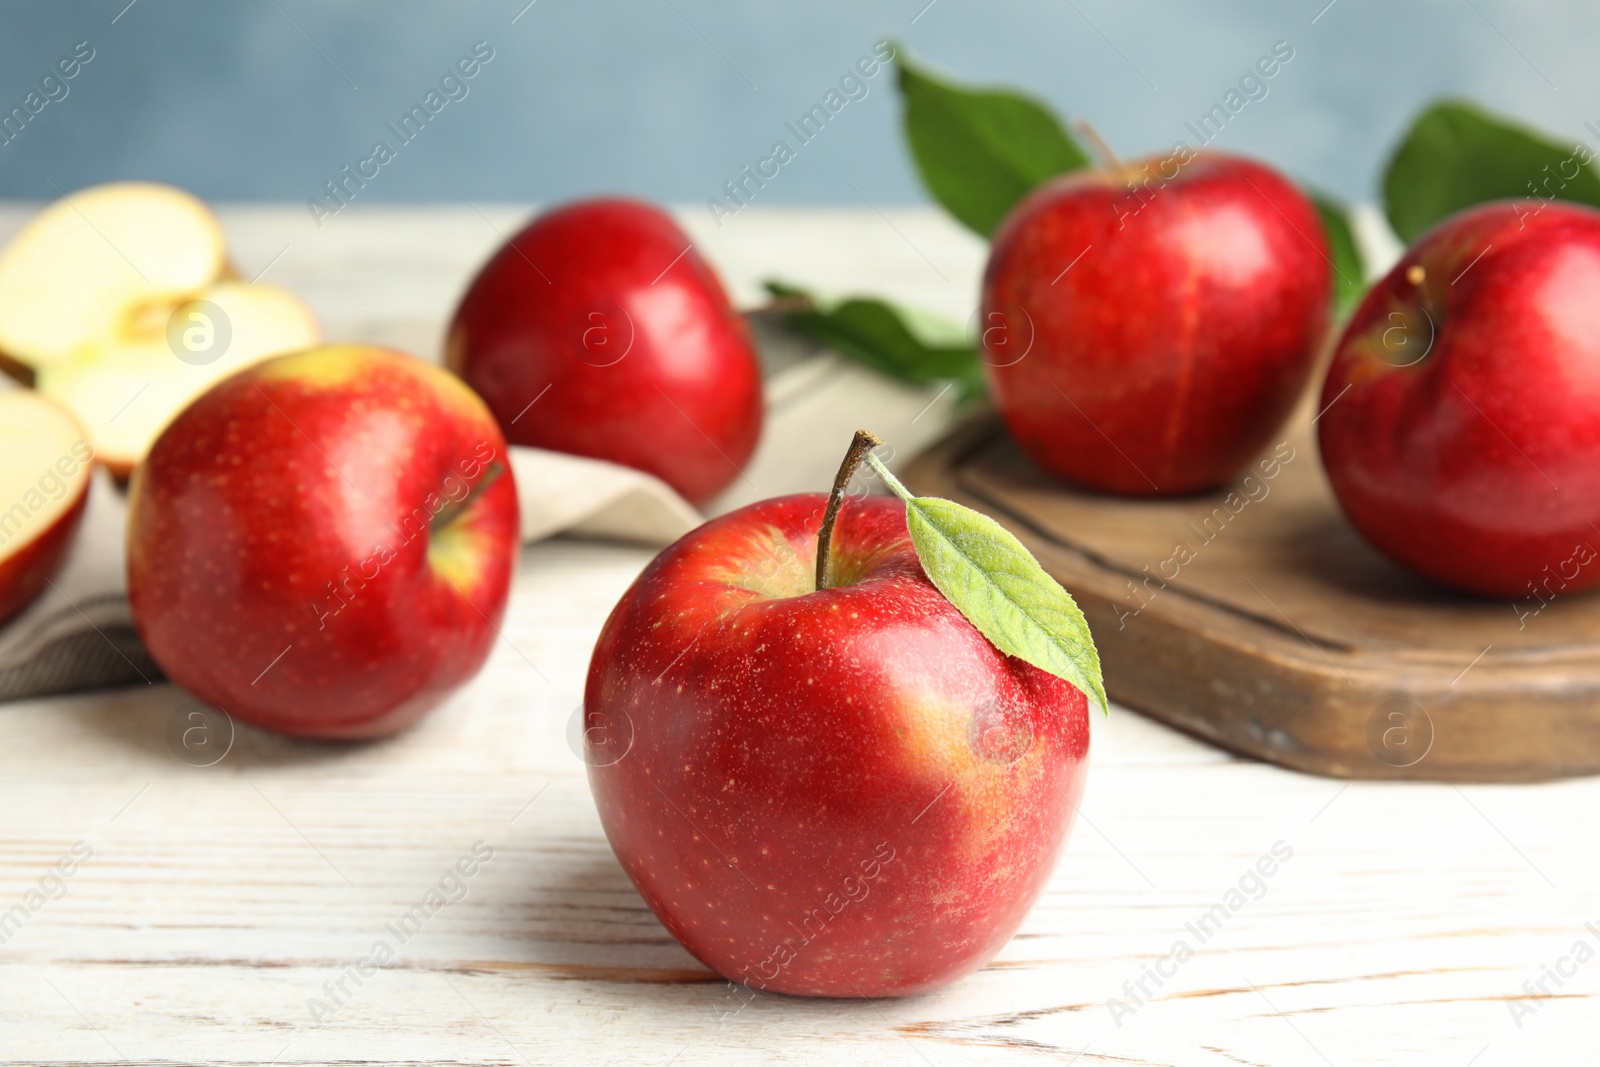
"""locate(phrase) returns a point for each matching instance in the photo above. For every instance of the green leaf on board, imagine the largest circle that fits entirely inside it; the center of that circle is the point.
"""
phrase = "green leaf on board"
(1349, 276)
(1456, 155)
(997, 584)
(979, 151)
(906, 345)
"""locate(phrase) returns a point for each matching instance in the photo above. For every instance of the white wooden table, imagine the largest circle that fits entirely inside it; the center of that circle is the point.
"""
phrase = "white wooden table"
(220, 901)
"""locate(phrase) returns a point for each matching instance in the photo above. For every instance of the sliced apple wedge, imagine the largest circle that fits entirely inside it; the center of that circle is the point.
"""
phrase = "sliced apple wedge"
(127, 394)
(120, 302)
(44, 483)
(103, 267)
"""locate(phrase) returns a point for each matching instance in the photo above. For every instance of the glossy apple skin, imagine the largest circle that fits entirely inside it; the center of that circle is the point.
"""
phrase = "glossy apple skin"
(1475, 460)
(605, 304)
(1165, 358)
(24, 575)
(861, 750)
(288, 511)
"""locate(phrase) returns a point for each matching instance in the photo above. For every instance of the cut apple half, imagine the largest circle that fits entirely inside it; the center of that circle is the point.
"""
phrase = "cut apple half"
(127, 394)
(102, 267)
(44, 483)
(120, 302)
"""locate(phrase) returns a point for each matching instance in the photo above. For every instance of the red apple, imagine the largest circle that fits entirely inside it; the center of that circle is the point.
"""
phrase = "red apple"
(1462, 423)
(44, 485)
(598, 330)
(837, 792)
(1148, 328)
(322, 544)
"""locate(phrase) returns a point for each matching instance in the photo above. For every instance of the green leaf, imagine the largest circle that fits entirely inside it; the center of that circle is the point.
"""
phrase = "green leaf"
(1349, 275)
(1456, 155)
(908, 346)
(997, 584)
(979, 151)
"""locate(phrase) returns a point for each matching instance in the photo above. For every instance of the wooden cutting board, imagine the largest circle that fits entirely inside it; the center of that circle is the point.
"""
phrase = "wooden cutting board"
(1256, 618)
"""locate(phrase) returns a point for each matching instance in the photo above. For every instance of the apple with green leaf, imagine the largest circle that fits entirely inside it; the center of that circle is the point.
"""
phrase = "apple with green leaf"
(838, 744)
(322, 544)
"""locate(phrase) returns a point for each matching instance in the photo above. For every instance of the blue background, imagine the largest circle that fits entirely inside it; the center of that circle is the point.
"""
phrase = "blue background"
(669, 98)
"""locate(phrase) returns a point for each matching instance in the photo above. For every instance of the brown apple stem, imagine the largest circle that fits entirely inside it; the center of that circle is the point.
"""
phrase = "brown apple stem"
(863, 442)
(1108, 157)
(452, 511)
(17, 370)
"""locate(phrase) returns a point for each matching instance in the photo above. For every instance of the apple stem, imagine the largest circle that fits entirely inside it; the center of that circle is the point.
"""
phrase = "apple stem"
(1101, 148)
(19, 371)
(452, 511)
(863, 443)
(889, 479)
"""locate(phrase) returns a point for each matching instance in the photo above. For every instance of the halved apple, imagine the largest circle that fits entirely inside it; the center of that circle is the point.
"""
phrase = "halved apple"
(97, 268)
(44, 484)
(127, 394)
(119, 301)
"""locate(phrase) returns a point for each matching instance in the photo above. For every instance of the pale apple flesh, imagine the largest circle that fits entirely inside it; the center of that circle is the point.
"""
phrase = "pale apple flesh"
(95, 269)
(128, 394)
(44, 486)
(847, 792)
(118, 300)
(323, 543)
